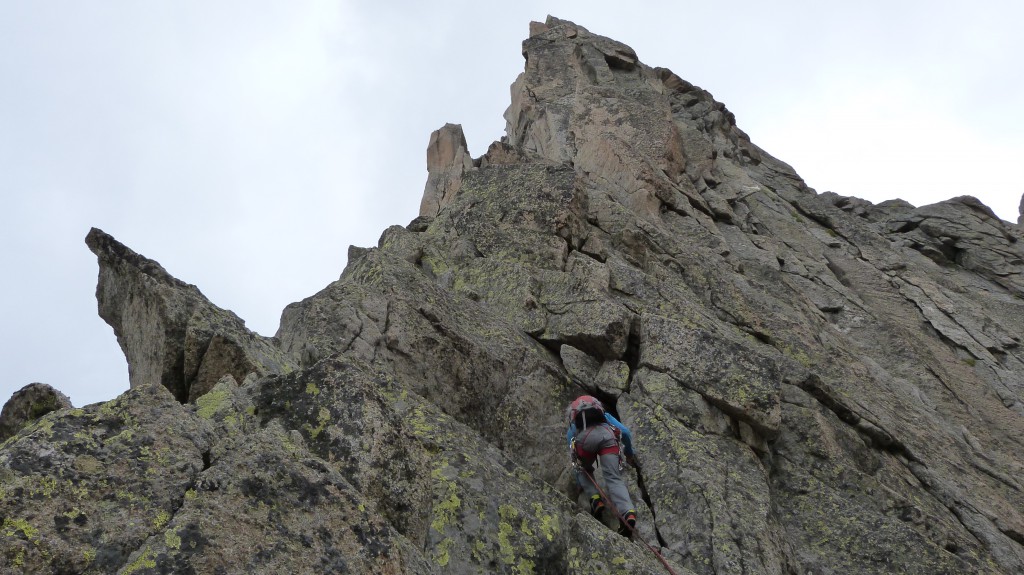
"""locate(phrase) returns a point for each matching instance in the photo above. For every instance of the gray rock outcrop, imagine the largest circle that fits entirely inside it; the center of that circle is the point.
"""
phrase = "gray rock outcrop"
(29, 404)
(815, 384)
(169, 332)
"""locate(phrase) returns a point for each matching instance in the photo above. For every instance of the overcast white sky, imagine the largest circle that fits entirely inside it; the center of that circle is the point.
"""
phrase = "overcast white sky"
(246, 145)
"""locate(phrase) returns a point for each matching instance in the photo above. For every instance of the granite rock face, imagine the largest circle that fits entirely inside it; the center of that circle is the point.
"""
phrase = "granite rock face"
(815, 384)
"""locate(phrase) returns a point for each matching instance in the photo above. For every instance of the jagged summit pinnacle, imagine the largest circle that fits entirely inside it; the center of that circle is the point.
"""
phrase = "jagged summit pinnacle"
(814, 384)
(587, 101)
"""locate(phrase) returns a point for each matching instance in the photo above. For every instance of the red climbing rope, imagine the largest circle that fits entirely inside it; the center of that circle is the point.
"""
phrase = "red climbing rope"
(635, 533)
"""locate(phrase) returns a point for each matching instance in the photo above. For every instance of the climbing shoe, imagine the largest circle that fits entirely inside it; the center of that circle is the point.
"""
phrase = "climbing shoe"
(628, 524)
(596, 507)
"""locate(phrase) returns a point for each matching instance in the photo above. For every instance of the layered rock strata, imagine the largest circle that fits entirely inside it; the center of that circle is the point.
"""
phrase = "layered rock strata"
(815, 384)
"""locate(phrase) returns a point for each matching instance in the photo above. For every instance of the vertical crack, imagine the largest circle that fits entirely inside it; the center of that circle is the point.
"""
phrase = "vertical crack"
(650, 506)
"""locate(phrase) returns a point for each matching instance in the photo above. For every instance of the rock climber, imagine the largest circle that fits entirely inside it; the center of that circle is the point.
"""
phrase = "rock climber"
(595, 435)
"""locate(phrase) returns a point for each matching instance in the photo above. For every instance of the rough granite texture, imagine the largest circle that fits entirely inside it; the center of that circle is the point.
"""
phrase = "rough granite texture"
(169, 332)
(815, 384)
(29, 404)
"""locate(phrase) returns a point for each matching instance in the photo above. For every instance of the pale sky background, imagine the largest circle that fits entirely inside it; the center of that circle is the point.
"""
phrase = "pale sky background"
(245, 145)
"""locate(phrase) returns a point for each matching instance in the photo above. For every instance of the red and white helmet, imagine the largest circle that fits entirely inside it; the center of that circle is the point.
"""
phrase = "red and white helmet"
(581, 403)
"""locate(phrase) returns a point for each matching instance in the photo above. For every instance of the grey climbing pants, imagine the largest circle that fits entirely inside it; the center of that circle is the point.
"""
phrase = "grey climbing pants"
(600, 443)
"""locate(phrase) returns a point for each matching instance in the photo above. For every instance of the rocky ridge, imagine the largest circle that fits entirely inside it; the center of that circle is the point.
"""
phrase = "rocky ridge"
(816, 384)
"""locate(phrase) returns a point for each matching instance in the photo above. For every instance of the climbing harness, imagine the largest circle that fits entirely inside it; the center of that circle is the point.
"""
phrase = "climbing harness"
(611, 450)
(621, 518)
